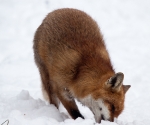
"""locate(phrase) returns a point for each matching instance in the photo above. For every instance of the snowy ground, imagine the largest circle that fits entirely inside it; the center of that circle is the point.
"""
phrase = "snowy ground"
(126, 29)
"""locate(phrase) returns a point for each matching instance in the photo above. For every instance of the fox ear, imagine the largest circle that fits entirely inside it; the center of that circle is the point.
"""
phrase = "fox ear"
(115, 82)
(126, 88)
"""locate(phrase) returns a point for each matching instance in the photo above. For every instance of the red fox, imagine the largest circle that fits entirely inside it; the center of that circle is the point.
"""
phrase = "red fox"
(73, 62)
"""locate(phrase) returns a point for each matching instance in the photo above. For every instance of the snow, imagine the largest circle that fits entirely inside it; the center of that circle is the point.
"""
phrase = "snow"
(126, 29)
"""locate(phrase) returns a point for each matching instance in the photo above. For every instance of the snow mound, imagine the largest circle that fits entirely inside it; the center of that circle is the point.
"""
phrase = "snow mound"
(25, 110)
(25, 107)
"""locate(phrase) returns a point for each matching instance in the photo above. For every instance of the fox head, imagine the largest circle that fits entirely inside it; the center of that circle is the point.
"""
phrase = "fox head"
(107, 102)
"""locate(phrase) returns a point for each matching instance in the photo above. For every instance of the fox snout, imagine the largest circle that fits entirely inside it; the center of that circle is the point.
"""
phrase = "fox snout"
(98, 120)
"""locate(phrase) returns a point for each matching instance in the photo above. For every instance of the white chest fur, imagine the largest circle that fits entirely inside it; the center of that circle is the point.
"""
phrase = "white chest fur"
(98, 108)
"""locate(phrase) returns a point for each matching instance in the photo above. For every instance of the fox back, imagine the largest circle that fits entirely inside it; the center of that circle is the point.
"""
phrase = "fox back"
(73, 62)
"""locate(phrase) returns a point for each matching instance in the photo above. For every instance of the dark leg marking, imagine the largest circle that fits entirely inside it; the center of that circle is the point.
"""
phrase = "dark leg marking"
(76, 114)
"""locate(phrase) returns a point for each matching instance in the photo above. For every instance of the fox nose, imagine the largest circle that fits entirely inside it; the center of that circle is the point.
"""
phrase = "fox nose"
(102, 117)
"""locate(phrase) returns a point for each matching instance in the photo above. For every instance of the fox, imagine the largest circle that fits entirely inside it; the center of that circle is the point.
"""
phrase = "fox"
(74, 64)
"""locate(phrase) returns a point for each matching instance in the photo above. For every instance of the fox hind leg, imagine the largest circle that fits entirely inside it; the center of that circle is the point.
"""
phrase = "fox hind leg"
(50, 96)
(47, 88)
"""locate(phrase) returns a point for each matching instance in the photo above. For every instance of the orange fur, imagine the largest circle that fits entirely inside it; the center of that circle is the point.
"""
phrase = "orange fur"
(73, 62)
